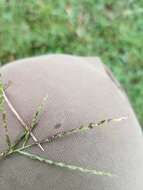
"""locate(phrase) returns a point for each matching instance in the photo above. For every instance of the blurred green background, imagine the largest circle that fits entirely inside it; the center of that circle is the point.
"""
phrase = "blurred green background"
(111, 29)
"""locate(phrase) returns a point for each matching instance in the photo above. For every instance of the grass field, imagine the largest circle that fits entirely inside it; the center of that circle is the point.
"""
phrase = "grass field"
(111, 29)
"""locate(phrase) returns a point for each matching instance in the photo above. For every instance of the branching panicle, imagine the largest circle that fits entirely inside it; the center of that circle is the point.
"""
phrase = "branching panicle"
(13, 148)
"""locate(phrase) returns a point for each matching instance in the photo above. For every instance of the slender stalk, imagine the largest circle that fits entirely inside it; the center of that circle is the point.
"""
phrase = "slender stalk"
(63, 165)
(1, 97)
(19, 118)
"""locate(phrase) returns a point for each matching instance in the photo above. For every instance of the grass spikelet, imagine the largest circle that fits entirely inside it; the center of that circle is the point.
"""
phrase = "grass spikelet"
(35, 119)
(63, 165)
(81, 129)
(5, 126)
(4, 115)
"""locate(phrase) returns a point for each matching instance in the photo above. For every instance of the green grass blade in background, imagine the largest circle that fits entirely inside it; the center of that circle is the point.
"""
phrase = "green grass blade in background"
(110, 29)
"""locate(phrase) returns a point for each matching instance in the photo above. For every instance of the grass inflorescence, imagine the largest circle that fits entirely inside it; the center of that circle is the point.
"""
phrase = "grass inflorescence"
(15, 148)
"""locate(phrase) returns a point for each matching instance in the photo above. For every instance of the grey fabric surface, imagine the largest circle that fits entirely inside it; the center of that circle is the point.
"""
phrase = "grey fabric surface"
(80, 91)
